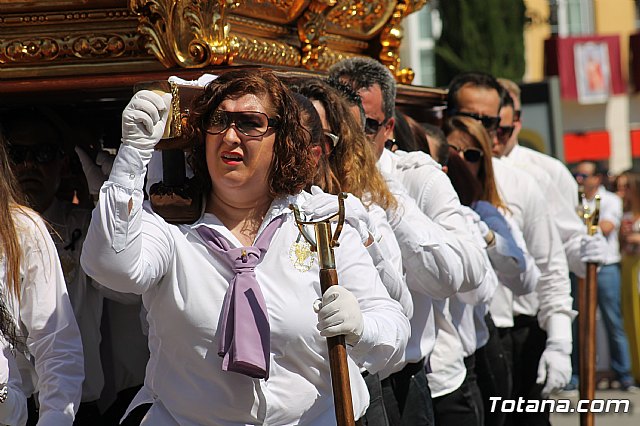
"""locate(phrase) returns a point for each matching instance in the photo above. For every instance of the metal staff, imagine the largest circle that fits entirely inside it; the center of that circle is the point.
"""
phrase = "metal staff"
(323, 245)
(587, 302)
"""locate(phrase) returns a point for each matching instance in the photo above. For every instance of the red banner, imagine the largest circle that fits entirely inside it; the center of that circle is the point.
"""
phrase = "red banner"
(588, 67)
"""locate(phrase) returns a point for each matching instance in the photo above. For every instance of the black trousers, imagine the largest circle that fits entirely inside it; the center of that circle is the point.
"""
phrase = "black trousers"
(407, 397)
(528, 343)
(88, 414)
(376, 414)
(493, 370)
(462, 407)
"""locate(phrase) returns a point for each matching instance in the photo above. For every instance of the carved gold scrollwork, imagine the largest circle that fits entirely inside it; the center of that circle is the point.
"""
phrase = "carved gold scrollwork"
(311, 30)
(254, 50)
(359, 18)
(187, 33)
(391, 37)
(33, 50)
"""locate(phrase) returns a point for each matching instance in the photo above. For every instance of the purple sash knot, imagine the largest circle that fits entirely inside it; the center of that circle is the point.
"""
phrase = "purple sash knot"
(243, 328)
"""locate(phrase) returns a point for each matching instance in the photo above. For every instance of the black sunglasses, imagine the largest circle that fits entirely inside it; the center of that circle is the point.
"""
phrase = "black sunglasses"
(489, 122)
(249, 123)
(371, 126)
(472, 155)
(42, 154)
(504, 133)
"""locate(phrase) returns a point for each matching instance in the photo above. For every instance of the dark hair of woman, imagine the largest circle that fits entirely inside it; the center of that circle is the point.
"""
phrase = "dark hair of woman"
(480, 139)
(464, 182)
(310, 120)
(292, 167)
(402, 133)
(352, 160)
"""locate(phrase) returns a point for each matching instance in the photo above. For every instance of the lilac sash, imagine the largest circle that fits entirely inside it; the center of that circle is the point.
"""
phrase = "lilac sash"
(243, 328)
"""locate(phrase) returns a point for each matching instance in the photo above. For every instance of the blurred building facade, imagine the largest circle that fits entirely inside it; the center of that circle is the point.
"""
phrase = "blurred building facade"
(588, 47)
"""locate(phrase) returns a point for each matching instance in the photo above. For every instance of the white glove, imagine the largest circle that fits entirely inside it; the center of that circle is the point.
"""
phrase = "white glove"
(339, 314)
(593, 248)
(554, 368)
(144, 120)
(96, 173)
(322, 205)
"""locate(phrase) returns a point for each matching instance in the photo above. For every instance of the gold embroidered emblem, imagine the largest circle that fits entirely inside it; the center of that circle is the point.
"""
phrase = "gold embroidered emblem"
(301, 255)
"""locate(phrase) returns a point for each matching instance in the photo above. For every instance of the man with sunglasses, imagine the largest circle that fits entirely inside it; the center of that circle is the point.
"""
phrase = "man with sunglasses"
(579, 247)
(417, 174)
(34, 143)
(558, 172)
(36, 140)
(537, 336)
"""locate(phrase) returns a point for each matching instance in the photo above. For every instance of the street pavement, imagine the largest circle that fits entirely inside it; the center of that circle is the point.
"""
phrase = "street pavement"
(632, 418)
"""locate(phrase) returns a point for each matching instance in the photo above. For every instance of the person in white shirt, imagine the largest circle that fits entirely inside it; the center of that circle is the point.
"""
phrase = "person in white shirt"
(416, 181)
(558, 172)
(36, 310)
(590, 175)
(13, 403)
(470, 169)
(541, 333)
(41, 160)
(350, 166)
(579, 247)
(265, 360)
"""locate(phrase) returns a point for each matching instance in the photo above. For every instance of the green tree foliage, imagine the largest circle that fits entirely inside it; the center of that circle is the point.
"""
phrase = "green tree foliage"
(480, 35)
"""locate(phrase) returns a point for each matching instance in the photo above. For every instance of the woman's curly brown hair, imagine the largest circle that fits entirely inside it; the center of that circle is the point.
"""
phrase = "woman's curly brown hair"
(292, 165)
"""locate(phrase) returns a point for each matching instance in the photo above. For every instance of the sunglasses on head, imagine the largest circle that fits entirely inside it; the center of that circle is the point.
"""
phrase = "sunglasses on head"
(371, 126)
(472, 155)
(332, 139)
(504, 133)
(42, 154)
(249, 123)
(489, 122)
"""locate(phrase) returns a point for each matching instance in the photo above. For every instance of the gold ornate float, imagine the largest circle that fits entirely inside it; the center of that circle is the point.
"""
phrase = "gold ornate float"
(75, 44)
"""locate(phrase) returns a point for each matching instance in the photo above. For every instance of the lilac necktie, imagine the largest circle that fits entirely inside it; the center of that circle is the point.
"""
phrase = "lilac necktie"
(244, 334)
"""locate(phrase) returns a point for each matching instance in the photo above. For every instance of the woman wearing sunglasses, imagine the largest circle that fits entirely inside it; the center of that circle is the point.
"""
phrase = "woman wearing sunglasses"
(352, 165)
(233, 335)
(470, 169)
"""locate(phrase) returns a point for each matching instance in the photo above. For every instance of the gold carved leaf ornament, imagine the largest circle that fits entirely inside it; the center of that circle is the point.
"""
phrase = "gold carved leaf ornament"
(188, 33)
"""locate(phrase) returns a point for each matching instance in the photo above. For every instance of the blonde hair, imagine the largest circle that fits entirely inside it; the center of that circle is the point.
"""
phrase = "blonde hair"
(10, 201)
(510, 86)
(352, 161)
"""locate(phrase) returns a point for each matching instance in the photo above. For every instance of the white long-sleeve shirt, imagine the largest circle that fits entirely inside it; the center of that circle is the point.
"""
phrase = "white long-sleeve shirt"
(183, 286)
(386, 256)
(501, 306)
(432, 270)
(13, 411)
(562, 211)
(459, 334)
(468, 309)
(552, 297)
(437, 199)
(54, 365)
(560, 175)
(70, 225)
